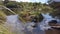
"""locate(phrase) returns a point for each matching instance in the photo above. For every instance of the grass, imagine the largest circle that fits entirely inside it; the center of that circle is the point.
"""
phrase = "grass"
(3, 29)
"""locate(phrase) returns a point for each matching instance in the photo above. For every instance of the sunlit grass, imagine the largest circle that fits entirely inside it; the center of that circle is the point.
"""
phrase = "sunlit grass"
(2, 17)
(3, 30)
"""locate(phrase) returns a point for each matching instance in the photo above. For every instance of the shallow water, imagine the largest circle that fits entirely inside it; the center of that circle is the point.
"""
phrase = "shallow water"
(16, 26)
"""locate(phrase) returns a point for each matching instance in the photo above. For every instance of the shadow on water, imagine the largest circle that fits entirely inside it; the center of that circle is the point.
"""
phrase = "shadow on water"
(16, 26)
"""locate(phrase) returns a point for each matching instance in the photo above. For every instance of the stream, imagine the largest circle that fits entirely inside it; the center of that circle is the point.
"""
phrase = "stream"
(17, 27)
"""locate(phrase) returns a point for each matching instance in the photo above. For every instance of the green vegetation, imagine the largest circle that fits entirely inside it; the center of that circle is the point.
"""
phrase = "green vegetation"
(2, 17)
(4, 30)
(23, 9)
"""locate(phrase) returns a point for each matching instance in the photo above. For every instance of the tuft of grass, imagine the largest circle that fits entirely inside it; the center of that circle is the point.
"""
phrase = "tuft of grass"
(3, 29)
(2, 17)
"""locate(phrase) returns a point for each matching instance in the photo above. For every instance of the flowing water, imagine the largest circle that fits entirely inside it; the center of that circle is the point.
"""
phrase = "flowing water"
(16, 26)
(44, 24)
(13, 23)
